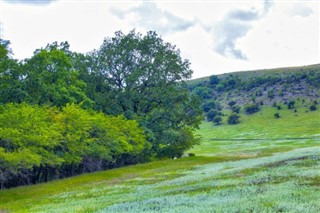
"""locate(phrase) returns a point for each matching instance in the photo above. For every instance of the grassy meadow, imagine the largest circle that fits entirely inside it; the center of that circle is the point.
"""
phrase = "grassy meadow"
(263, 164)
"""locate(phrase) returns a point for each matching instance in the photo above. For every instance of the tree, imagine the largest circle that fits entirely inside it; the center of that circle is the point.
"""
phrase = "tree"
(212, 114)
(276, 115)
(217, 120)
(233, 119)
(232, 103)
(213, 80)
(41, 143)
(203, 92)
(146, 78)
(210, 105)
(251, 108)
(50, 77)
(291, 104)
(313, 108)
(271, 94)
(236, 109)
(11, 77)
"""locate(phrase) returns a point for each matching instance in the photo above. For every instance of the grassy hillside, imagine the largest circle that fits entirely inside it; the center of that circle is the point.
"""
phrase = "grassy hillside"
(260, 86)
(263, 164)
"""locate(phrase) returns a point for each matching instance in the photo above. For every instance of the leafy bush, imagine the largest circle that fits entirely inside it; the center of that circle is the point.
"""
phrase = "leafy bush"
(39, 142)
(251, 108)
(236, 109)
(291, 104)
(217, 120)
(313, 108)
(233, 119)
(212, 114)
(209, 105)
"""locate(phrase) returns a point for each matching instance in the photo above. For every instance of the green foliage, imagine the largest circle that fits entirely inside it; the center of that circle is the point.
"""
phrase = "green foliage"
(276, 115)
(212, 114)
(233, 119)
(251, 108)
(250, 165)
(232, 103)
(51, 78)
(210, 105)
(236, 109)
(213, 80)
(217, 120)
(11, 90)
(203, 92)
(313, 108)
(131, 76)
(145, 81)
(36, 142)
(291, 104)
(271, 94)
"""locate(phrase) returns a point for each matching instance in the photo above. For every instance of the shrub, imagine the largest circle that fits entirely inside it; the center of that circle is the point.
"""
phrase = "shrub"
(214, 80)
(211, 114)
(232, 103)
(233, 119)
(291, 104)
(235, 109)
(313, 108)
(251, 108)
(191, 154)
(217, 120)
(276, 115)
(209, 105)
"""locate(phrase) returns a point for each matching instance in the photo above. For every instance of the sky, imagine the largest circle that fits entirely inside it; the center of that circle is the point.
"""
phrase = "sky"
(215, 36)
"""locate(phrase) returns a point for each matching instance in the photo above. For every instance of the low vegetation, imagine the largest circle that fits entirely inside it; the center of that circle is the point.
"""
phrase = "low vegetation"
(247, 167)
(66, 114)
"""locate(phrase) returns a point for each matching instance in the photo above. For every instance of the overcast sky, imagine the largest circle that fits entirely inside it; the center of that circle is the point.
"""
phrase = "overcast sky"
(216, 36)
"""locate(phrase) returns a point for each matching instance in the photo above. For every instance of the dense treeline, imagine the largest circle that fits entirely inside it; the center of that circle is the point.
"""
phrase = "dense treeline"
(40, 143)
(64, 113)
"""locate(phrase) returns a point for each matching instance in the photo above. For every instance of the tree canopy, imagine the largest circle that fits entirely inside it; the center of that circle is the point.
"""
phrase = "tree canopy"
(64, 113)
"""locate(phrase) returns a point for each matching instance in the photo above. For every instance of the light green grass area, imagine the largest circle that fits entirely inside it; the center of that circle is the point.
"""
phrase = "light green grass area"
(261, 133)
(263, 164)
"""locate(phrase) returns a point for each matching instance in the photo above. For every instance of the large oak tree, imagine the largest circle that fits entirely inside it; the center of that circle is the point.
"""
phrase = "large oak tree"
(145, 79)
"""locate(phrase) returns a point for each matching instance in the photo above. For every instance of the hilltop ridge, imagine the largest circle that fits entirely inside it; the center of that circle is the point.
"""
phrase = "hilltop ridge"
(265, 86)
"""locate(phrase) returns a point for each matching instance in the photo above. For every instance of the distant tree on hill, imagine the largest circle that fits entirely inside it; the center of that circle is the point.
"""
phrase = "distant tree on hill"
(313, 108)
(214, 80)
(203, 92)
(210, 104)
(271, 94)
(251, 108)
(232, 103)
(236, 109)
(212, 114)
(217, 120)
(291, 104)
(233, 118)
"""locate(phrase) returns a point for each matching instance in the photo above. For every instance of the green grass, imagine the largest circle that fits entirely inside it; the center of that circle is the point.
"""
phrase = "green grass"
(276, 170)
(266, 134)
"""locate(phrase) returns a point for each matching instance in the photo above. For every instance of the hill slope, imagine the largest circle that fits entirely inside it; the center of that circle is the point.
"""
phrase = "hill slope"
(261, 86)
(262, 165)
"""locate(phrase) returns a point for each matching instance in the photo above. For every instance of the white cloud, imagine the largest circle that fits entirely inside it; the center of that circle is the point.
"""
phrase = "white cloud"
(153, 18)
(235, 25)
(206, 32)
(31, 2)
(301, 10)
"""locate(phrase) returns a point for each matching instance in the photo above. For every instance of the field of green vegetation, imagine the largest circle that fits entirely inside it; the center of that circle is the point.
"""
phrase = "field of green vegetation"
(262, 164)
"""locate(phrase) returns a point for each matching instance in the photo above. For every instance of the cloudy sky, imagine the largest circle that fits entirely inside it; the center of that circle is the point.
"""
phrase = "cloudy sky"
(216, 36)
